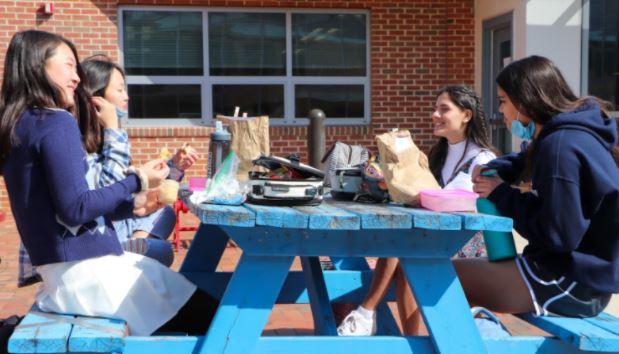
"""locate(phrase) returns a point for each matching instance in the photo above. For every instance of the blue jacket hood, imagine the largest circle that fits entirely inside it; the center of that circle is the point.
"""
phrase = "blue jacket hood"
(587, 118)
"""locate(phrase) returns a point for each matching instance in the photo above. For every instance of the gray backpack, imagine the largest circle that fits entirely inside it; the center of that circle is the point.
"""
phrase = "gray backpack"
(341, 156)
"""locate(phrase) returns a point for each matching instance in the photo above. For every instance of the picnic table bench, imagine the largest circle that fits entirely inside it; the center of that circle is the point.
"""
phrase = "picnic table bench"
(271, 237)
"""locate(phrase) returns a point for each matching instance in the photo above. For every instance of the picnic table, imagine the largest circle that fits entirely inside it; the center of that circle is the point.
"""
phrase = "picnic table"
(271, 237)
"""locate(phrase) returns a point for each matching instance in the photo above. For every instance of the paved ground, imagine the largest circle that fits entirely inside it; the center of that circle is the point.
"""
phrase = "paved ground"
(285, 319)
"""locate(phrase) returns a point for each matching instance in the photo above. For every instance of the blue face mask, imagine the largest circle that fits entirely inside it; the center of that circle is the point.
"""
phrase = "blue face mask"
(522, 131)
(120, 113)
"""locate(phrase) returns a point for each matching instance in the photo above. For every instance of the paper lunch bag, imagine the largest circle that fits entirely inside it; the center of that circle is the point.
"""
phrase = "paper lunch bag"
(250, 140)
(405, 167)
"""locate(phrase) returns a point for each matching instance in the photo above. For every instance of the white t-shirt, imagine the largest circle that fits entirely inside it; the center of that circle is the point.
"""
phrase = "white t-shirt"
(454, 153)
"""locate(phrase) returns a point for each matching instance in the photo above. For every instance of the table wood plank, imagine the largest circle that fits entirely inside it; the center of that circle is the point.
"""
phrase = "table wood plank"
(432, 220)
(41, 333)
(279, 216)
(485, 222)
(375, 216)
(582, 333)
(224, 214)
(362, 345)
(98, 335)
(327, 217)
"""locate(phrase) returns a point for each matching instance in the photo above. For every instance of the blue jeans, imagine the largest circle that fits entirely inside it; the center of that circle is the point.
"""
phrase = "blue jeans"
(158, 225)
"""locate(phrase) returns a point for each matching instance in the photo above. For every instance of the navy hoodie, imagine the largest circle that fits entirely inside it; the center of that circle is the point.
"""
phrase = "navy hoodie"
(571, 217)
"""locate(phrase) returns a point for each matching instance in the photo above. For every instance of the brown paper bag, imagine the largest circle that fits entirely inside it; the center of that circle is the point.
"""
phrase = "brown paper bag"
(405, 167)
(250, 139)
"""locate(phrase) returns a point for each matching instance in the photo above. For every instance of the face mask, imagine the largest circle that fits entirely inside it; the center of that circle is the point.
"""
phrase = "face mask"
(120, 113)
(521, 131)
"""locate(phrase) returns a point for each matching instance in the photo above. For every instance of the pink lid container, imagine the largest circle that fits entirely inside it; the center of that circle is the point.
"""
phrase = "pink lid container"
(448, 200)
(197, 183)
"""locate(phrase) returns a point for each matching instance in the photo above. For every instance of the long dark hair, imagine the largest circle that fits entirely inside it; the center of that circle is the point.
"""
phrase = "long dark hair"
(476, 130)
(538, 90)
(25, 84)
(98, 70)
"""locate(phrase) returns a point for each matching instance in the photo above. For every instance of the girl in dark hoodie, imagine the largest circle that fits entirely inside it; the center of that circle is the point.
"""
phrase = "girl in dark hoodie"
(570, 218)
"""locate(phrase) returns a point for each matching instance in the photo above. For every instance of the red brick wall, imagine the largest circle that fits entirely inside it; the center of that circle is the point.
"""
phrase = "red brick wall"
(417, 46)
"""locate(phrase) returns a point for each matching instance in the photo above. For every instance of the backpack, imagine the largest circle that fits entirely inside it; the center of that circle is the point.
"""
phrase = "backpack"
(373, 188)
(340, 156)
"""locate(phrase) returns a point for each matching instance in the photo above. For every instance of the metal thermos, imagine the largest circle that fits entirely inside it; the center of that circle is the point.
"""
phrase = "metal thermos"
(218, 148)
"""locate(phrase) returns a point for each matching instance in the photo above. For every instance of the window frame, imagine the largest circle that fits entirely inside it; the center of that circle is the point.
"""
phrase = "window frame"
(206, 81)
(584, 52)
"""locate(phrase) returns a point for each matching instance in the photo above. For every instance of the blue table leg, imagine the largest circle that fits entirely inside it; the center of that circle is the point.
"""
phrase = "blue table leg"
(443, 305)
(246, 304)
(324, 322)
(207, 247)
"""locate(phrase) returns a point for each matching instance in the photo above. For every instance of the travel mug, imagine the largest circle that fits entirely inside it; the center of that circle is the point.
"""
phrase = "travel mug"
(499, 245)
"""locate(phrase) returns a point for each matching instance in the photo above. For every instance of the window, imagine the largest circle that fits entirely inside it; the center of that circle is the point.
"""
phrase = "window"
(601, 64)
(187, 65)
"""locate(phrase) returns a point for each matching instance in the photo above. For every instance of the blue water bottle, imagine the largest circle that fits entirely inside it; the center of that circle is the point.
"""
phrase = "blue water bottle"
(499, 245)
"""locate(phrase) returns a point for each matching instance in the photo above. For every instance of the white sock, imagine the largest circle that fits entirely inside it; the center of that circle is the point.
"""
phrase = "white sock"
(368, 314)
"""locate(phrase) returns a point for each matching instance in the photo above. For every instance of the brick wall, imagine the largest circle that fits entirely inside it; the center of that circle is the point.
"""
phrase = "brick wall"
(417, 46)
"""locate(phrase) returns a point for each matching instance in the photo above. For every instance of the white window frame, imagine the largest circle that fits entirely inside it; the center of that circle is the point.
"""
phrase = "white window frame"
(206, 81)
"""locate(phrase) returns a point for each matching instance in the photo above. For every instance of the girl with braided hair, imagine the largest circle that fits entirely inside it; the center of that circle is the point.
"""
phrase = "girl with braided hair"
(463, 144)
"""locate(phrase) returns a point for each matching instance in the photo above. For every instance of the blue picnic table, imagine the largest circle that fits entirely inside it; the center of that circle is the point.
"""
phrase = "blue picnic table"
(270, 238)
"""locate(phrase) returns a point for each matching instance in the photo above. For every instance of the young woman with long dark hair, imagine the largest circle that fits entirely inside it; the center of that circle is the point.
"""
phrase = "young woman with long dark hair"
(64, 224)
(463, 143)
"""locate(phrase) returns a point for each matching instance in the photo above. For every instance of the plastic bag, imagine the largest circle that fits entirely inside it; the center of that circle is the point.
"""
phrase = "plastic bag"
(224, 187)
(488, 324)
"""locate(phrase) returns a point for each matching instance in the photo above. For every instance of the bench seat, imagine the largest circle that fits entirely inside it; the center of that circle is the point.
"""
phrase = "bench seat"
(596, 334)
(42, 332)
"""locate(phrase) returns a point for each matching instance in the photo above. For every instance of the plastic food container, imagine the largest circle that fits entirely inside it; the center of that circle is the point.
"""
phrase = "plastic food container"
(448, 200)
(197, 183)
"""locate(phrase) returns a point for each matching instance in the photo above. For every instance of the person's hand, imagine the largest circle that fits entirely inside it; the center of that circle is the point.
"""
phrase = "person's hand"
(185, 157)
(484, 185)
(147, 202)
(476, 172)
(106, 112)
(155, 171)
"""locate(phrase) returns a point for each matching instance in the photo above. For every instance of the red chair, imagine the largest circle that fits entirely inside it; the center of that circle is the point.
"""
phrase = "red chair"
(195, 184)
(180, 207)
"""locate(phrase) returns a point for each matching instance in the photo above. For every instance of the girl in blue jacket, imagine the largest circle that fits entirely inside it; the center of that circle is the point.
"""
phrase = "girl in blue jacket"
(570, 217)
(47, 128)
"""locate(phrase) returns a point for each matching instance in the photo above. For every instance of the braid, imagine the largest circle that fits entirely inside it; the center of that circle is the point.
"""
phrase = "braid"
(483, 124)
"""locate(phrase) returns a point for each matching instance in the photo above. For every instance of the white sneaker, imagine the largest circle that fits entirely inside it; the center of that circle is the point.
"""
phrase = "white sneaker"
(355, 324)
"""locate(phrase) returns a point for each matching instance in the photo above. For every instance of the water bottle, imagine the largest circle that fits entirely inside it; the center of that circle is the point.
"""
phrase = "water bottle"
(218, 148)
(499, 245)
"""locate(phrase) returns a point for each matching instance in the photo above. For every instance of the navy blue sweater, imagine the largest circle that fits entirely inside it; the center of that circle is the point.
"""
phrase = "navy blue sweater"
(571, 218)
(58, 218)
